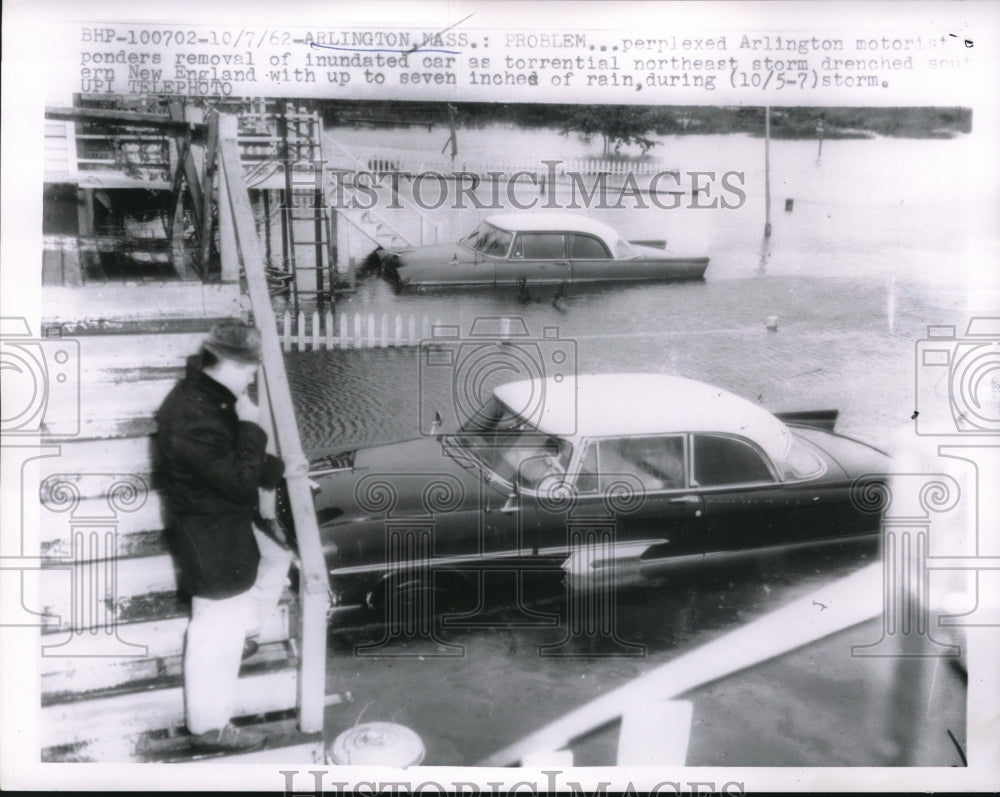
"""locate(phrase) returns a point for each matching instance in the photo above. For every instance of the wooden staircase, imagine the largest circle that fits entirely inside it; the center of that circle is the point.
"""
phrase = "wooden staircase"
(103, 588)
(113, 637)
(340, 162)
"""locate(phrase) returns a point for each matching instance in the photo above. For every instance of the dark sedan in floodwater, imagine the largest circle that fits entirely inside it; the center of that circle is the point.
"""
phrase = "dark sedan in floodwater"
(533, 249)
(634, 472)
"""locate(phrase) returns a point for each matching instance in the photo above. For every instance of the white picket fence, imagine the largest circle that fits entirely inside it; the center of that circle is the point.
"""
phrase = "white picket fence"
(352, 331)
(386, 160)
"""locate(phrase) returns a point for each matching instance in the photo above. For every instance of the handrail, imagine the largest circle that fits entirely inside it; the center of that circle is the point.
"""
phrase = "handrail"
(328, 141)
(314, 589)
(354, 218)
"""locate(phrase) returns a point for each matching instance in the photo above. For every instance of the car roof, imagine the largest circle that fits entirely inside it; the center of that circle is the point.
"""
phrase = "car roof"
(600, 405)
(551, 222)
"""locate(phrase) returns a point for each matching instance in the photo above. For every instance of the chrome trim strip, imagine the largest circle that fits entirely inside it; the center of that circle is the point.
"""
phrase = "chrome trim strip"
(512, 553)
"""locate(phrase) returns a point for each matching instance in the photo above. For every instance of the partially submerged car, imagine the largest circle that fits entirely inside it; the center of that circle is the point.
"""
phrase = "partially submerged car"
(669, 470)
(533, 249)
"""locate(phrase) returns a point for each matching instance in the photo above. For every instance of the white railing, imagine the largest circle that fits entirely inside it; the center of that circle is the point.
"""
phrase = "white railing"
(339, 158)
(388, 160)
(352, 330)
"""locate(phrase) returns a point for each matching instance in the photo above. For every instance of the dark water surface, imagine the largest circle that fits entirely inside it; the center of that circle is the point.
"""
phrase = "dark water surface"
(832, 348)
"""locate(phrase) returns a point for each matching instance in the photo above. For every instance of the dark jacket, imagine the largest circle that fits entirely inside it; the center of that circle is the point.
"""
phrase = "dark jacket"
(212, 464)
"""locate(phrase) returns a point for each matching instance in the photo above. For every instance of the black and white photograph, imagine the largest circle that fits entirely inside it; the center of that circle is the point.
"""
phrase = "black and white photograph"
(507, 397)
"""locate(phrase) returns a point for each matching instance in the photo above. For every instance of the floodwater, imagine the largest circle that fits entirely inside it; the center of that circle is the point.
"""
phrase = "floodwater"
(864, 260)
(893, 207)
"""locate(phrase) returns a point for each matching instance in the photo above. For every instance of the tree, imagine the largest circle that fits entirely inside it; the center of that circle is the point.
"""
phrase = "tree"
(618, 126)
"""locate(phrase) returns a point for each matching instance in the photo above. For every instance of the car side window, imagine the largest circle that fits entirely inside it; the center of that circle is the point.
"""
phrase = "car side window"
(586, 247)
(540, 246)
(657, 462)
(726, 460)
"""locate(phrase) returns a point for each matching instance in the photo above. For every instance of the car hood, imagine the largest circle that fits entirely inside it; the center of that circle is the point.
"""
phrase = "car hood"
(435, 255)
(853, 456)
(413, 479)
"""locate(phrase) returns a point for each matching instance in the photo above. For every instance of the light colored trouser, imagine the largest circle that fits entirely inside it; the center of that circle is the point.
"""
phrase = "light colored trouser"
(213, 646)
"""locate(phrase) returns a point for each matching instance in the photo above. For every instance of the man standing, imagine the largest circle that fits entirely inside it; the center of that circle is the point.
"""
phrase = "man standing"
(213, 460)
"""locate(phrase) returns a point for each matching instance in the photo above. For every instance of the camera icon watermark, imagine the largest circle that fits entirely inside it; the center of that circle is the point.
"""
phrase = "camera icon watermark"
(40, 380)
(496, 351)
(958, 380)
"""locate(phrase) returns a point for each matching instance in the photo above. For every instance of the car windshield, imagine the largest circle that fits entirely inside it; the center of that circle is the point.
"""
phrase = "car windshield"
(510, 448)
(488, 240)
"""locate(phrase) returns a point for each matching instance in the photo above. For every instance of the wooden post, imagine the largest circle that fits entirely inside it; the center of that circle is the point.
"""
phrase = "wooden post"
(178, 255)
(228, 251)
(331, 248)
(211, 155)
(318, 211)
(267, 225)
(85, 223)
(288, 210)
(266, 499)
(314, 589)
(283, 203)
(190, 160)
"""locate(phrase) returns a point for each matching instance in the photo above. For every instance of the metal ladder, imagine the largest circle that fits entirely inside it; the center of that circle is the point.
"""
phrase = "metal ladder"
(298, 147)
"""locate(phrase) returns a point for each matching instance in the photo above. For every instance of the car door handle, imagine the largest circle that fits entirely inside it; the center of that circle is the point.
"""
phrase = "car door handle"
(561, 263)
(686, 499)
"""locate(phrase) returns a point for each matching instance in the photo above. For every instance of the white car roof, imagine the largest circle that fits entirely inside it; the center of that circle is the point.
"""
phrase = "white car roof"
(551, 222)
(612, 405)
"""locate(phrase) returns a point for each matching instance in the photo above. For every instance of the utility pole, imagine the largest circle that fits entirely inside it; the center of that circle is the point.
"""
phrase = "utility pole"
(767, 171)
(453, 138)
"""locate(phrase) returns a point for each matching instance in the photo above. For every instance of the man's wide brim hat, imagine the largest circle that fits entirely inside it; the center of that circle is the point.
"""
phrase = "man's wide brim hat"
(234, 340)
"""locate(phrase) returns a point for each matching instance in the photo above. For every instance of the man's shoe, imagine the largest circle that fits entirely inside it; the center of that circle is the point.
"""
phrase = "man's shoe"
(250, 646)
(229, 739)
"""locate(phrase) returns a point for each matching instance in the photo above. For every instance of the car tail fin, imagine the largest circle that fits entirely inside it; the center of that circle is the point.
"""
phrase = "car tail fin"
(818, 419)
